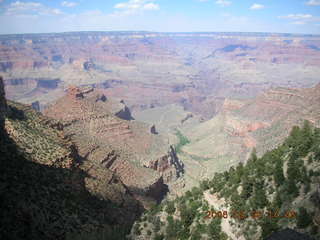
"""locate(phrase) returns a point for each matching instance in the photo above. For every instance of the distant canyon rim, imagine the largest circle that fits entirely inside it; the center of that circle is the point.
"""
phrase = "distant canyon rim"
(227, 93)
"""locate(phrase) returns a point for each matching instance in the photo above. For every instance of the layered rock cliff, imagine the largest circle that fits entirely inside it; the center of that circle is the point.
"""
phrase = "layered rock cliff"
(169, 166)
(45, 192)
(3, 104)
(156, 69)
(106, 139)
(242, 125)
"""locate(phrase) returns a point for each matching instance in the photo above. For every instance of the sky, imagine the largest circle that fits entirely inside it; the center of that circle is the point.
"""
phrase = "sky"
(42, 16)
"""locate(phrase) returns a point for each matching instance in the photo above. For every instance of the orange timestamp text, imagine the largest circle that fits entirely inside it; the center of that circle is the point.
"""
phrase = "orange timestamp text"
(251, 214)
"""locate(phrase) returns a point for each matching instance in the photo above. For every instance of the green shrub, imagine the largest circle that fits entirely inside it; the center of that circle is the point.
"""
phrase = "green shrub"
(183, 140)
(303, 219)
(158, 237)
(170, 209)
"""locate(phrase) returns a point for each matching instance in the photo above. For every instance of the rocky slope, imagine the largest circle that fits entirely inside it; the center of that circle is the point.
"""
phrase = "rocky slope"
(262, 199)
(3, 103)
(242, 125)
(105, 136)
(45, 192)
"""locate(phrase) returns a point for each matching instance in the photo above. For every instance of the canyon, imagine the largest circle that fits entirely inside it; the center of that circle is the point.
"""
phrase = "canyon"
(146, 116)
(148, 69)
(122, 96)
(43, 184)
(105, 135)
(261, 123)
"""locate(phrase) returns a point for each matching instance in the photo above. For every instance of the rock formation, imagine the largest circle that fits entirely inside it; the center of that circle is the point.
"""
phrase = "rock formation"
(153, 129)
(169, 166)
(124, 113)
(101, 97)
(74, 93)
(189, 115)
(260, 123)
(104, 139)
(211, 66)
(42, 175)
(3, 102)
(3, 105)
(36, 106)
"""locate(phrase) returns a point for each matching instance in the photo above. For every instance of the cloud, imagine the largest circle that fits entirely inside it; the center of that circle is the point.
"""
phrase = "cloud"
(151, 6)
(313, 3)
(135, 6)
(301, 19)
(68, 4)
(257, 6)
(25, 9)
(297, 16)
(298, 22)
(223, 3)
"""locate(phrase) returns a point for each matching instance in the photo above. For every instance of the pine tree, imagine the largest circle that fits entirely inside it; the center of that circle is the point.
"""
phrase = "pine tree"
(292, 188)
(278, 173)
(259, 199)
(247, 187)
(316, 144)
(214, 228)
(237, 203)
(187, 216)
(156, 224)
(293, 176)
(293, 139)
(204, 185)
(306, 138)
(277, 201)
(303, 219)
(170, 209)
(158, 237)
(253, 156)
(268, 226)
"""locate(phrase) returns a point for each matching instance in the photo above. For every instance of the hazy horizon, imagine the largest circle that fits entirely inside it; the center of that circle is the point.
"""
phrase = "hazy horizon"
(160, 32)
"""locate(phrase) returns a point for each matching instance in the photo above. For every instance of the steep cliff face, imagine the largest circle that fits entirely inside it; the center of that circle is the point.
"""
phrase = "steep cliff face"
(107, 140)
(169, 166)
(45, 192)
(43, 140)
(3, 103)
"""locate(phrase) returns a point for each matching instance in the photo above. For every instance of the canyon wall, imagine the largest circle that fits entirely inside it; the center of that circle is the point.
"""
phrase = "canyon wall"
(103, 138)
(3, 103)
(242, 125)
(42, 175)
(148, 69)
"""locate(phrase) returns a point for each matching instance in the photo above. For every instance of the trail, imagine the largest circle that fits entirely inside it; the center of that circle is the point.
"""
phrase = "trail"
(218, 205)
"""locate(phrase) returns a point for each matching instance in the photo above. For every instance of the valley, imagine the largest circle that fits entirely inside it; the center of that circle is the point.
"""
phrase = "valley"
(146, 117)
(192, 69)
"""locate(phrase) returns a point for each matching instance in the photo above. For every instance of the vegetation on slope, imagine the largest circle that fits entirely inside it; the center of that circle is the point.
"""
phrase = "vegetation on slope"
(281, 187)
(282, 180)
(43, 198)
(182, 218)
(182, 140)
